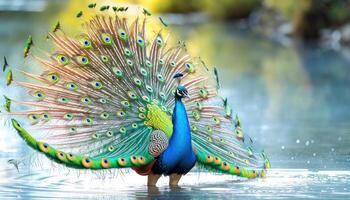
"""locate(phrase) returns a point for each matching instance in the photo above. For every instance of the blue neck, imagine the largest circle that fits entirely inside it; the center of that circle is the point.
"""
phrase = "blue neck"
(181, 137)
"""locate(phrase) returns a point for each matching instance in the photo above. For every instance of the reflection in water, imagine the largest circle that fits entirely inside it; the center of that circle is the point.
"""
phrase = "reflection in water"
(293, 100)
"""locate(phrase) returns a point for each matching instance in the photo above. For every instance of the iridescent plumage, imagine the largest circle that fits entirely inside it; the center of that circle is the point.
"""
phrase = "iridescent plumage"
(106, 100)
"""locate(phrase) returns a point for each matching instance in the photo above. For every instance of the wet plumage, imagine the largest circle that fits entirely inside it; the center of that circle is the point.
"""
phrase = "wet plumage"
(108, 99)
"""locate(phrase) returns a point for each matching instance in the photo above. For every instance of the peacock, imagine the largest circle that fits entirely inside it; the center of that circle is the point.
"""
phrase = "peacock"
(118, 95)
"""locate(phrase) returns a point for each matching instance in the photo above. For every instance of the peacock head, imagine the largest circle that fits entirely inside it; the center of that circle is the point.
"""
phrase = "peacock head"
(181, 92)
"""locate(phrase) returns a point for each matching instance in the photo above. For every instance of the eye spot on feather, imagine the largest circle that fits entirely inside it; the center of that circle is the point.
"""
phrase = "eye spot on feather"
(148, 64)
(53, 77)
(132, 95)
(83, 60)
(237, 170)
(45, 116)
(140, 41)
(44, 147)
(129, 62)
(73, 130)
(194, 128)
(86, 43)
(125, 103)
(33, 118)
(61, 156)
(209, 129)
(127, 52)
(133, 160)
(119, 73)
(68, 116)
(189, 67)
(209, 159)
(70, 157)
(102, 100)
(104, 58)
(222, 140)
(159, 41)
(138, 82)
(173, 64)
(39, 95)
(196, 115)
(86, 162)
(134, 125)
(160, 78)
(105, 163)
(203, 93)
(216, 120)
(143, 71)
(141, 160)
(145, 98)
(225, 166)
(121, 113)
(122, 162)
(72, 86)
(162, 95)
(106, 38)
(122, 34)
(161, 61)
(142, 109)
(110, 148)
(209, 139)
(63, 100)
(164, 108)
(109, 133)
(217, 160)
(142, 116)
(198, 105)
(104, 115)
(62, 59)
(97, 85)
(149, 89)
(88, 121)
(122, 129)
(95, 136)
(86, 100)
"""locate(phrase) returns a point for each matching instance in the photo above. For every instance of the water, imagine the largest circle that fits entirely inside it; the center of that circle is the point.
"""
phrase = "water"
(293, 100)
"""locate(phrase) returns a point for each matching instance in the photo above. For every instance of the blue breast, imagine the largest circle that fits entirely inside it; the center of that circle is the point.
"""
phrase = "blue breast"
(179, 156)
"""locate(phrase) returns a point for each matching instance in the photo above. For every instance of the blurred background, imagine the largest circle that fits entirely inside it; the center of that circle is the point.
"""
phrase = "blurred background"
(284, 64)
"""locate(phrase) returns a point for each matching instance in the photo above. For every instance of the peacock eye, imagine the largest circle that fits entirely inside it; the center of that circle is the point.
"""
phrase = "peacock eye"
(39, 95)
(122, 34)
(62, 59)
(148, 63)
(97, 85)
(127, 52)
(86, 100)
(140, 41)
(106, 38)
(189, 67)
(72, 86)
(83, 60)
(104, 58)
(86, 43)
(53, 77)
(159, 41)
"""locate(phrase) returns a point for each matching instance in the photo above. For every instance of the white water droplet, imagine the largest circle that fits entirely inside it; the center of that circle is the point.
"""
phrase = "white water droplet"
(282, 147)
(312, 141)
(314, 154)
(297, 141)
(308, 162)
(332, 149)
(339, 138)
(307, 143)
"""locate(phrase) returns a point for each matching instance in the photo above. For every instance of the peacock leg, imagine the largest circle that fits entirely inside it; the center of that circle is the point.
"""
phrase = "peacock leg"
(174, 179)
(153, 179)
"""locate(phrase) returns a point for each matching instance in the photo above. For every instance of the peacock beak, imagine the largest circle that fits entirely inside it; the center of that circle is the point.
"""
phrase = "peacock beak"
(185, 93)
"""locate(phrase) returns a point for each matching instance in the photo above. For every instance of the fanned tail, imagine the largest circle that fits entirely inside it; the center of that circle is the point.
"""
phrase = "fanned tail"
(104, 95)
